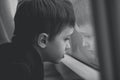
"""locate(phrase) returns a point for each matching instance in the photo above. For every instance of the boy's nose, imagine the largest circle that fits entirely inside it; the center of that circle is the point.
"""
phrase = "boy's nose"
(68, 48)
(68, 45)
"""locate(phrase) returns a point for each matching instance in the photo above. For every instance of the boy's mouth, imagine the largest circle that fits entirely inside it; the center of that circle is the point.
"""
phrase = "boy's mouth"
(68, 50)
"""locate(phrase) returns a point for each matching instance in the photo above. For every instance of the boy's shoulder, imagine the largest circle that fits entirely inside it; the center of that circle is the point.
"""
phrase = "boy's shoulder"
(10, 53)
(6, 51)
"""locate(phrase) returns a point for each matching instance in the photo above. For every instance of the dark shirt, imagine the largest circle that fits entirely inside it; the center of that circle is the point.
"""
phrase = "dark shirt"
(19, 63)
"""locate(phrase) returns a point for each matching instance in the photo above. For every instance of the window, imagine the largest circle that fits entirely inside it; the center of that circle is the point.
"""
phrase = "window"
(83, 39)
(106, 18)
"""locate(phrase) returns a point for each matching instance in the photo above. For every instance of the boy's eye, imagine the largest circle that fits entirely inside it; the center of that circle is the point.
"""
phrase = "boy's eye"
(67, 39)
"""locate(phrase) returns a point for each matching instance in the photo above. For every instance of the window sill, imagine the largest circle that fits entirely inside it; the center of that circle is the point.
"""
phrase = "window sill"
(80, 69)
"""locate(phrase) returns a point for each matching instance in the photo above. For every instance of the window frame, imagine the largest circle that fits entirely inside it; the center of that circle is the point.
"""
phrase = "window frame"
(80, 68)
(106, 15)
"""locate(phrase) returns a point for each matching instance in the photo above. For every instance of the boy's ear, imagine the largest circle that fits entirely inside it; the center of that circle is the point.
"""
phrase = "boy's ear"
(42, 40)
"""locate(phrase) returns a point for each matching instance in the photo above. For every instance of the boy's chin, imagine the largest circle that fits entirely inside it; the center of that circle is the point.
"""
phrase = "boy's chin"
(57, 61)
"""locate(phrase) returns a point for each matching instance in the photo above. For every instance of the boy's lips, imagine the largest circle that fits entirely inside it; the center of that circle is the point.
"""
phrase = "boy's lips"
(68, 50)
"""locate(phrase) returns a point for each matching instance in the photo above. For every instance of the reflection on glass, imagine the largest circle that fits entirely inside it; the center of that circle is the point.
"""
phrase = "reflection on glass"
(85, 45)
(83, 39)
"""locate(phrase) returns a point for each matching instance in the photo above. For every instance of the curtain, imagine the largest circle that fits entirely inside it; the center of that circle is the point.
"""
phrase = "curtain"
(7, 11)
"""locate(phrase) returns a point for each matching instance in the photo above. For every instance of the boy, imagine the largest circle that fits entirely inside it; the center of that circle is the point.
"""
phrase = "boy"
(42, 33)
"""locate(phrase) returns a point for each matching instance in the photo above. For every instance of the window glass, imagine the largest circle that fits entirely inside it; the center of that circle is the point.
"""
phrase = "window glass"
(83, 39)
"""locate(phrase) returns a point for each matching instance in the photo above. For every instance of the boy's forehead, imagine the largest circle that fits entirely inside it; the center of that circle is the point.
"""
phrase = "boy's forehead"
(67, 31)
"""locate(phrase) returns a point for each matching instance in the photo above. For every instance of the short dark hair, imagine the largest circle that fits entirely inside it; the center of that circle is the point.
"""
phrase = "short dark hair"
(42, 16)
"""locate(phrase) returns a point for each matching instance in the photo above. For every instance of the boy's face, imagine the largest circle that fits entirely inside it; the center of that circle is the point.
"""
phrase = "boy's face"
(56, 48)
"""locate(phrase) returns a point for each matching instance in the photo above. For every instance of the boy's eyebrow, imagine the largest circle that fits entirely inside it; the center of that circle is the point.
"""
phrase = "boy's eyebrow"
(67, 36)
